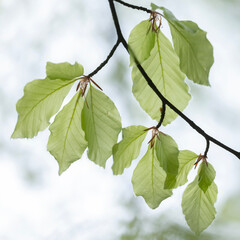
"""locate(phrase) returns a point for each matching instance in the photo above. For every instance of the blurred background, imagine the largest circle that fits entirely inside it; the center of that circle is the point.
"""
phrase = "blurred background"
(87, 202)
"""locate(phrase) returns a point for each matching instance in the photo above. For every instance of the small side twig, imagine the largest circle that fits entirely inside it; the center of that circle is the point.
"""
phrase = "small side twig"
(106, 60)
(134, 6)
(207, 147)
(163, 111)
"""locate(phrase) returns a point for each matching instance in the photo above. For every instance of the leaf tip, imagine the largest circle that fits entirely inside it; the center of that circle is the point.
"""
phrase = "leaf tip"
(62, 169)
(13, 136)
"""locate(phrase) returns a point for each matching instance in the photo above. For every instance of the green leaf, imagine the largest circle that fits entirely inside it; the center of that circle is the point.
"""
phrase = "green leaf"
(128, 149)
(102, 124)
(206, 176)
(198, 206)
(148, 180)
(154, 7)
(42, 99)
(163, 68)
(141, 41)
(67, 140)
(64, 71)
(167, 155)
(186, 162)
(193, 48)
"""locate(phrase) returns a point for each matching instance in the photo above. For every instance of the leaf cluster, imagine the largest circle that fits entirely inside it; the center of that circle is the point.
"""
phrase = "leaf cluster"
(90, 120)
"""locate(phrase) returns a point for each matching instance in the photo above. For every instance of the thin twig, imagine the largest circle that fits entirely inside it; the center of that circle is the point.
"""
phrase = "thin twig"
(163, 111)
(207, 147)
(106, 60)
(154, 88)
(134, 6)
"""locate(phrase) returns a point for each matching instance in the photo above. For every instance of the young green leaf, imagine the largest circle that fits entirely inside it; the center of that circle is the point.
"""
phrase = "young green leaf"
(141, 41)
(193, 48)
(198, 206)
(128, 149)
(186, 162)
(167, 155)
(102, 124)
(206, 175)
(148, 180)
(67, 140)
(64, 71)
(163, 68)
(42, 99)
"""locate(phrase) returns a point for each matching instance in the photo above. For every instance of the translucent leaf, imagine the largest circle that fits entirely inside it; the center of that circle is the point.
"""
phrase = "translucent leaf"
(67, 140)
(42, 99)
(193, 48)
(167, 155)
(206, 176)
(102, 124)
(141, 41)
(154, 7)
(128, 149)
(186, 162)
(148, 180)
(163, 68)
(64, 71)
(198, 206)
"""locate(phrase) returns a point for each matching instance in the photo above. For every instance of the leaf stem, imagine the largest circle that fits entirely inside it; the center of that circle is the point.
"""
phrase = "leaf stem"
(155, 89)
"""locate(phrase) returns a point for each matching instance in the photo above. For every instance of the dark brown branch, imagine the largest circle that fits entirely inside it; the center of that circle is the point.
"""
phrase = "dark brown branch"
(154, 88)
(207, 147)
(163, 112)
(134, 6)
(106, 60)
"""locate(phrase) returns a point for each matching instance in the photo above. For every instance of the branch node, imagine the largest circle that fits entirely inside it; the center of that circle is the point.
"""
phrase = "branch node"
(155, 133)
(201, 158)
(83, 83)
(156, 20)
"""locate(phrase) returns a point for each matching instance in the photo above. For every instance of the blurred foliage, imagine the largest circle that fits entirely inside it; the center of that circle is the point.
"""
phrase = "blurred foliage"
(156, 228)
(228, 1)
(231, 8)
(162, 227)
(231, 209)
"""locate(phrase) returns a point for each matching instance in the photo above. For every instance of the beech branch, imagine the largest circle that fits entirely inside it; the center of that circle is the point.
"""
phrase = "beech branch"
(134, 6)
(122, 40)
(106, 60)
(163, 111)
(207, 147)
